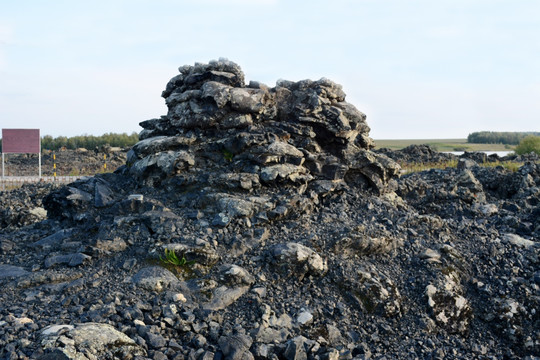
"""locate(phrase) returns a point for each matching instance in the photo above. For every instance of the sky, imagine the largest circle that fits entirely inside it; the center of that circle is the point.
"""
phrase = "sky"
(419, 69)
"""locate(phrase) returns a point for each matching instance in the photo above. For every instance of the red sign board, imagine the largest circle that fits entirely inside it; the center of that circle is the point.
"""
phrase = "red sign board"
(21, 141)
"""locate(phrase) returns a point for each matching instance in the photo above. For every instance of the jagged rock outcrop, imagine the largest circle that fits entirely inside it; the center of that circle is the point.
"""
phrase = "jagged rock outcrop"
(297, 132)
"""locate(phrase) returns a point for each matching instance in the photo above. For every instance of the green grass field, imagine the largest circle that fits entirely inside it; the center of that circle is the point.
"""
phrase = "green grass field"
(442, 145)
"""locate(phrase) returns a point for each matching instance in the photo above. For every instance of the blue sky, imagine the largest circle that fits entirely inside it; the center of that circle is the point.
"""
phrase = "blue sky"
(417, 68)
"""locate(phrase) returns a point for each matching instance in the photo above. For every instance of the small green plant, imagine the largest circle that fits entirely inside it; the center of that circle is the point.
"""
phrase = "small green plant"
(172, 259)
(228, 155)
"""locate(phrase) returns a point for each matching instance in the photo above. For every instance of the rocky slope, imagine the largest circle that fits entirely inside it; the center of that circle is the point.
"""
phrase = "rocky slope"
(300, 242)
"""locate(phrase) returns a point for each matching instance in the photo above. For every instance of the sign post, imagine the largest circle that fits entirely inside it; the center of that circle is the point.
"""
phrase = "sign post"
(21, 141)
(54, 165)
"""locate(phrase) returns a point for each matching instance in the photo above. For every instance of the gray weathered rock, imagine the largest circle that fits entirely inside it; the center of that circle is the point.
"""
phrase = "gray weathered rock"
(450, 309)
(236, 347)
(235, 275)
(75, 259)
(304, 317)
(155, 278)
(89, 339)
(372, 291)
(224, 296)
(158, 166)
(299, 259)
(55, 239)
(295, 349)
(519, 241)
(466, 164)
(363, 241)
(10, 271)
(103, 195)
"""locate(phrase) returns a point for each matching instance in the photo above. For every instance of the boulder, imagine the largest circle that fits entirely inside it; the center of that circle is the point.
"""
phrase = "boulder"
(10, 271)
(155, 278)
(448, 307)
(236, 347)
(100, 341)
(298, 260)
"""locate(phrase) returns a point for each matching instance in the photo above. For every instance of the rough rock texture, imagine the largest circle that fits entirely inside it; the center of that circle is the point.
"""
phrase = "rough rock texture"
(302, 133)
(88, 340)
(293, 240)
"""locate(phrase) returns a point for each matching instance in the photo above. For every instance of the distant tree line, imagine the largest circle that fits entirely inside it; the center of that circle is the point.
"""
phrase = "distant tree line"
(495, 137)
(89, 142)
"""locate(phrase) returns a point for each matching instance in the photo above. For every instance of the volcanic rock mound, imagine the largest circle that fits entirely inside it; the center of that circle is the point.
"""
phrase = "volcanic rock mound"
(298, 132)
(247, 151)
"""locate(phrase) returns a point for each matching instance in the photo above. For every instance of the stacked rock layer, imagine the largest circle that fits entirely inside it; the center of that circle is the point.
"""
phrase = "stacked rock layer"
(303, 133)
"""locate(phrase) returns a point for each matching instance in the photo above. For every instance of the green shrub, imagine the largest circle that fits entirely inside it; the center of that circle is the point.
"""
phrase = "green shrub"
(528, 144)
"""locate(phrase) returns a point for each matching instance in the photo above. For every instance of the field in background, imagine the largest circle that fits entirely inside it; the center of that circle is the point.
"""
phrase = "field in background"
(441, 145)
